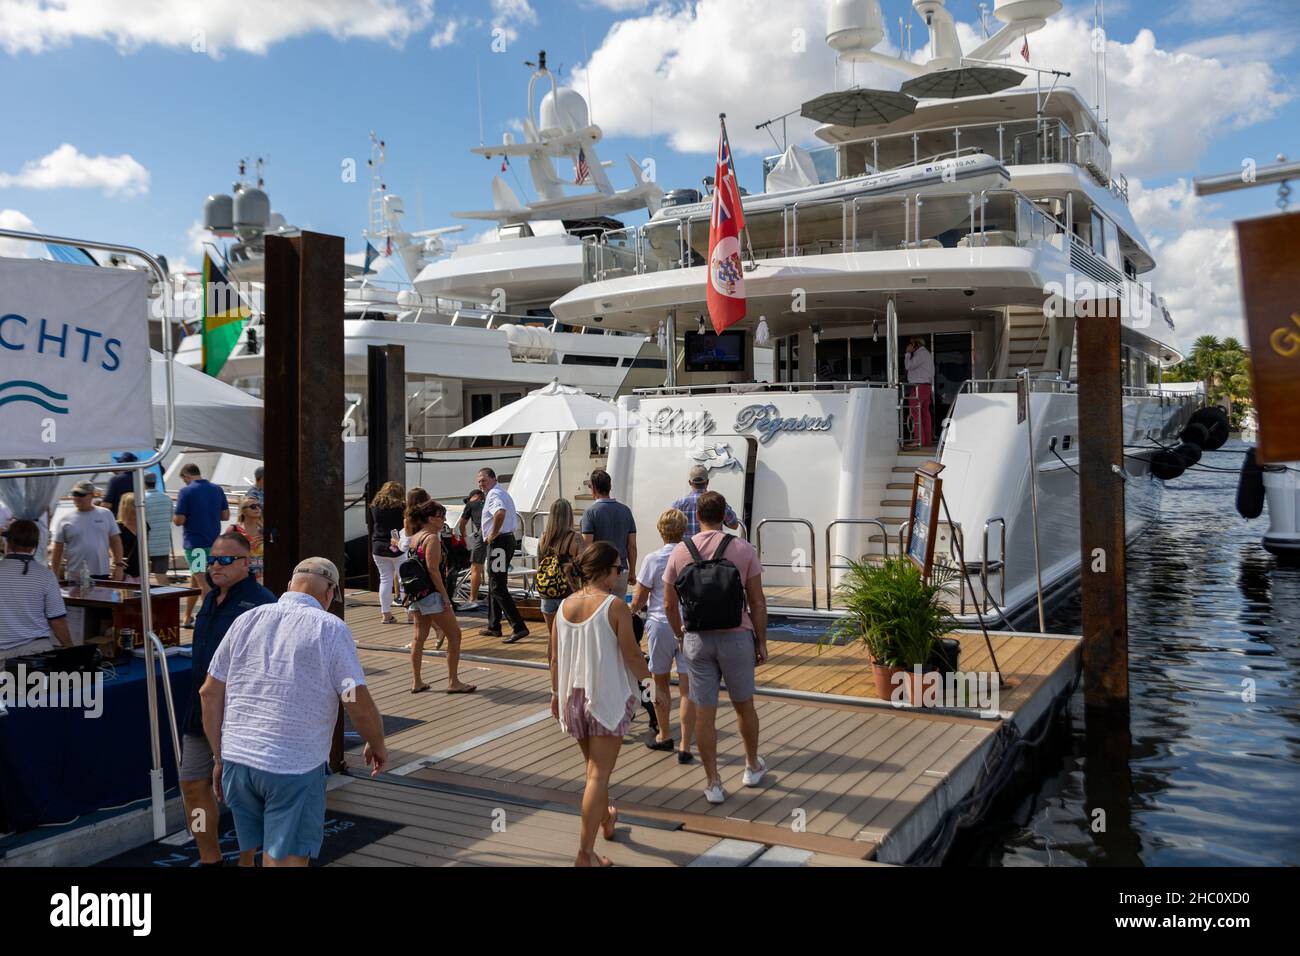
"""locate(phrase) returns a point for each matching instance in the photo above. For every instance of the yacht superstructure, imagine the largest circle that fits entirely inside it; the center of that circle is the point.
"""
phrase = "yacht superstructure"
(976, 223)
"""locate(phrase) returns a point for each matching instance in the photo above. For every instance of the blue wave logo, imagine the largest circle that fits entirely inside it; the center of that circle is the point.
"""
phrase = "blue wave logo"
(15, 392)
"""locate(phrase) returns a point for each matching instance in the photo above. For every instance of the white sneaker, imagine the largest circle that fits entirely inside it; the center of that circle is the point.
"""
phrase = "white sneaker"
(753, 778)
(468, 606)
(715, 793)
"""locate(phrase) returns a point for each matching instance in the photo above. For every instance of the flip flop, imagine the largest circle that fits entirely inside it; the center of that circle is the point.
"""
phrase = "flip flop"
(613, 822)
(465, 689)
(420, 690)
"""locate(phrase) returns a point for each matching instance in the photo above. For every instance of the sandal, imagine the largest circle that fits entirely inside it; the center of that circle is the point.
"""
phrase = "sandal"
(463, 689)
(420, 690)
(585, 859)
(612, 821)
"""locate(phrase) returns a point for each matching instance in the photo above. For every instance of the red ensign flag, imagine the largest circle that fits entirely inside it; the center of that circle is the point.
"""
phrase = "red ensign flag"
(726, 291)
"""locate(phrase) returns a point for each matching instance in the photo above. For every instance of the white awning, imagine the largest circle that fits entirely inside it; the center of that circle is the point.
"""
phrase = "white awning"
(209, 413)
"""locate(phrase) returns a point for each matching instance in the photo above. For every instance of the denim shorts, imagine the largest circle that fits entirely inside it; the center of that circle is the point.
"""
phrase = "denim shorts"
(283, 813)
(430, 604)
(551, 605)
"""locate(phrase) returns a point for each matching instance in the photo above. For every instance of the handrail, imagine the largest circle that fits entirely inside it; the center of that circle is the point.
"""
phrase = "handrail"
(1002, 560)
(160, 655)
(830, 566)
(812, 544)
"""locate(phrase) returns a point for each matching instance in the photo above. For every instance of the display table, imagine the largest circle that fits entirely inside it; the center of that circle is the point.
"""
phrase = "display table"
(116, 605)
(56, 763)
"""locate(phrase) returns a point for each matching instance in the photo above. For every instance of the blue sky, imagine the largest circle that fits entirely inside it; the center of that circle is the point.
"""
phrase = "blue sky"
(305, 84)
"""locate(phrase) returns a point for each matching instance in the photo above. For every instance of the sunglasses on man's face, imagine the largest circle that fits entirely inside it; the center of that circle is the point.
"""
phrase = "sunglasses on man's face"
(226, 560)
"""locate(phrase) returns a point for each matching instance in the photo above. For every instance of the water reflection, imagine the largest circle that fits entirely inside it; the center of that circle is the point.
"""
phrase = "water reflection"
(1211, 770)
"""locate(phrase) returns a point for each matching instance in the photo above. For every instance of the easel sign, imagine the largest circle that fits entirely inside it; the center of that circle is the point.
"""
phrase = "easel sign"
(923, 516)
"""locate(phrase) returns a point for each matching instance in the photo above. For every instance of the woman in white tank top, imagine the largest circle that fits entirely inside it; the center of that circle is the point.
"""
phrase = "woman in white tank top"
(596, 670)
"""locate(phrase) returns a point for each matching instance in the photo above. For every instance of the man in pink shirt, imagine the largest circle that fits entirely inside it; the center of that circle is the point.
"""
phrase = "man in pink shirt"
(722, 655)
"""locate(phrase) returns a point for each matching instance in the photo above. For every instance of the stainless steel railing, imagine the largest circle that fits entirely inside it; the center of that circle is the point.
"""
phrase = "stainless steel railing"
(792, 566)
(832, 566)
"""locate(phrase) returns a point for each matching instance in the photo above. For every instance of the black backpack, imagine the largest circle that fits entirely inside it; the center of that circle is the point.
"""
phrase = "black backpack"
(414, 575)
(710, 591)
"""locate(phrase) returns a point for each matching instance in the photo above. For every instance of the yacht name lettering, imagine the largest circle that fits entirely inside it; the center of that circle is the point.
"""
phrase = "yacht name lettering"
(16, 334)
(766, 420)
(677, 421)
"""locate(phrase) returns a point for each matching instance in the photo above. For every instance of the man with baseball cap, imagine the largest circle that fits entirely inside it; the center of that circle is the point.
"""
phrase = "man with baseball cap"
(699, 482)
(87, 535)
(270, 703)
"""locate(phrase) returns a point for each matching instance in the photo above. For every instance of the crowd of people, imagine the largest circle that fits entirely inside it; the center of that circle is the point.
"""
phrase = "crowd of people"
(269, 674)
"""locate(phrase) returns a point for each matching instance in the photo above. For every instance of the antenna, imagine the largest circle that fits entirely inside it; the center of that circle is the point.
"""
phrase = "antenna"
(478, 90)
(591, 113)
(984, 19)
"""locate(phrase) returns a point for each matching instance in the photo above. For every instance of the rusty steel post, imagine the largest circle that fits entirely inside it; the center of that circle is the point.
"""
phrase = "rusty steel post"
(1103, 574)
(303, 435)
(385, 428)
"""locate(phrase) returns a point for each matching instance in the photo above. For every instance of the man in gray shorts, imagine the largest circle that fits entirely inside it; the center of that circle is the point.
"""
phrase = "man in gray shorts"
(233, 591)
(716, 656)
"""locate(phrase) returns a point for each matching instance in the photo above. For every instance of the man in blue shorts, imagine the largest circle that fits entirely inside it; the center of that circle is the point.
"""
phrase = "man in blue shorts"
(200, 508)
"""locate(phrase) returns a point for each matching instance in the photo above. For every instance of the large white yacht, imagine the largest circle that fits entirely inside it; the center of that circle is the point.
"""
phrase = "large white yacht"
(476, 325)
(970, 221)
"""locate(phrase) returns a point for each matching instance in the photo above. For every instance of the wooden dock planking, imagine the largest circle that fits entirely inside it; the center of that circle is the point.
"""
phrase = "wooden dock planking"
(860, 772)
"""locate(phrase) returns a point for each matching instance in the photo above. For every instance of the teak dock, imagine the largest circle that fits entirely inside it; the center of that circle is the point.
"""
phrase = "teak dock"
(489, 779)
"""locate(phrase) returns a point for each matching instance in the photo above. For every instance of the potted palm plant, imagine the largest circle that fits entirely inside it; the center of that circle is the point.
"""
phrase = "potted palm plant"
(900, 618)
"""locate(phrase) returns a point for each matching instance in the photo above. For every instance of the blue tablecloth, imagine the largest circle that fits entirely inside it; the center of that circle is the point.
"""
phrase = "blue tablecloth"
(56, 764)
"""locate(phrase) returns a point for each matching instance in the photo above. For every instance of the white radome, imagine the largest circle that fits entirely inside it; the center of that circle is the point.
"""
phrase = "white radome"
(853, 27)
(1016, 11)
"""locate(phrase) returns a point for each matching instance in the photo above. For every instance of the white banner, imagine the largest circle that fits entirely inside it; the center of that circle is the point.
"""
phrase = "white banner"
(74, 360)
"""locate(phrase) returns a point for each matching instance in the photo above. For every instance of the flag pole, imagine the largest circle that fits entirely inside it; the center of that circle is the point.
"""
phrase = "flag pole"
(731, 161)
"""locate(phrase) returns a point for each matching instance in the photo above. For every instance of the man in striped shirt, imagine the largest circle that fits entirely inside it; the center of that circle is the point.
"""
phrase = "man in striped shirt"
(158, 510)
(32, 616)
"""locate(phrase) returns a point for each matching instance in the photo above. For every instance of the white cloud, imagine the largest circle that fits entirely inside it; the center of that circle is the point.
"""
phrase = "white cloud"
(1164, 105)
(447, 35)
(508, 15)
(203, 26)
(15, 248)
(68, 168)
(1198, 277)
(1259, 45)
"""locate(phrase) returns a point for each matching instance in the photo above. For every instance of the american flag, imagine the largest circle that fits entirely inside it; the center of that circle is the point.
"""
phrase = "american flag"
(580, 168)
(1024, 50)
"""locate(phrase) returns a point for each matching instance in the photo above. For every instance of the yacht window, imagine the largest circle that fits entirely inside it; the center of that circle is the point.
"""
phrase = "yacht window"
(646, 363)
(1098, 235)
(605, 360)
(1112, 244)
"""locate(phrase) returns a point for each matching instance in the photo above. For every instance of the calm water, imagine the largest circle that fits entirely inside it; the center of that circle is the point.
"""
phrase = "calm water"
(1210, 779)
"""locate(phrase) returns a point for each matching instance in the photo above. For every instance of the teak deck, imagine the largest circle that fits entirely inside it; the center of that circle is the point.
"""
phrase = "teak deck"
(851, 779)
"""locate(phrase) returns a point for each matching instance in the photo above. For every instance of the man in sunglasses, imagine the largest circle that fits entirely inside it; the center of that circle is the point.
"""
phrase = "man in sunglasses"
(232, 591)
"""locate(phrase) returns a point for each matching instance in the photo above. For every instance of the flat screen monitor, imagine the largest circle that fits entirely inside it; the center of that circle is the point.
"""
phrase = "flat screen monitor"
(715, 352)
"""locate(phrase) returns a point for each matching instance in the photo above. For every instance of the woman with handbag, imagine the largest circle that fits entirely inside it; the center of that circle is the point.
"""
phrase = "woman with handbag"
(428, 595)
(386, 518)
(559, 547)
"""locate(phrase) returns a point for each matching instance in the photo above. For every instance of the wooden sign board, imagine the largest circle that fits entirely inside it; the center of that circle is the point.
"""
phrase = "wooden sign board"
(1270, 289)
(923, 516)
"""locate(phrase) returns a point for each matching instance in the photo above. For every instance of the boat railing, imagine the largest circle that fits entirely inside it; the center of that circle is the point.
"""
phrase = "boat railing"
(743, 388)
(796, 566)
(949, 219)
(832, 565)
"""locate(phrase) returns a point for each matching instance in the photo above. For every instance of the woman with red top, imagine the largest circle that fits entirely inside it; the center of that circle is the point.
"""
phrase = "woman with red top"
(249, 524)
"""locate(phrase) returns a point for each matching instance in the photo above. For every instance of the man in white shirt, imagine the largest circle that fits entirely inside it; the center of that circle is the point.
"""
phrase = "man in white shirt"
(500, 526)
(920, 373)
(88, 536)
(660, 639)
(32, 616)
(270, 703)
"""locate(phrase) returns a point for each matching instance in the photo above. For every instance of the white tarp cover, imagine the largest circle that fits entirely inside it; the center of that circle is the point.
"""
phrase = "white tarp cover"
(209, 413)
(74, 359)
(794, 171)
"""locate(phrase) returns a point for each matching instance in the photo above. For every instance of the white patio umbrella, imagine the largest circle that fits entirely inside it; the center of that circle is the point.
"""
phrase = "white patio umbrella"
(552, 408)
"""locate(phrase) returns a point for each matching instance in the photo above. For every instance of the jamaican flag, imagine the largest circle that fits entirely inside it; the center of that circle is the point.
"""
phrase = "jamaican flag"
(224, 316)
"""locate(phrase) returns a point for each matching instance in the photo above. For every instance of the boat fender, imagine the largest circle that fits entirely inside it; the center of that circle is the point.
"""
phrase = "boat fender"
(1189, 453)
(1215, 420)
(1250, 487)
(1195, 433)
(1166, 465)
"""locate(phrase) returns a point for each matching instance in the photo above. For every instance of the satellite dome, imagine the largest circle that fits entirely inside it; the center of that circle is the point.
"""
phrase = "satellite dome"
(218, 214)
(853, 27)
(565, 109)
(252, 208)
